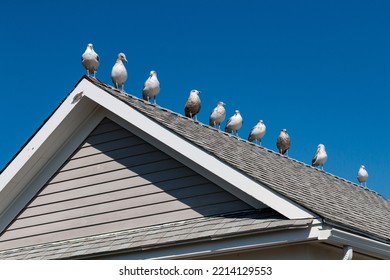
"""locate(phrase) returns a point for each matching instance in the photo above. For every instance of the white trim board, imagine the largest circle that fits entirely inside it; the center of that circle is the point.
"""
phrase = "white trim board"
(44, 154)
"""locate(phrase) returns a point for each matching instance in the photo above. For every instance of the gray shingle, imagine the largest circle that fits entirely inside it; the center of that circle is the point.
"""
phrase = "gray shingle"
(202, 228)
(333, 198)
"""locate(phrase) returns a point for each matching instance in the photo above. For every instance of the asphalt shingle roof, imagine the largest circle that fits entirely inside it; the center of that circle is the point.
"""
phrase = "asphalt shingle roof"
(200, 229)
(335, 199)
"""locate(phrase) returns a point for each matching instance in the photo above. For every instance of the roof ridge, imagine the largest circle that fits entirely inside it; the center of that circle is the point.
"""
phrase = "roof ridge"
(123, 94)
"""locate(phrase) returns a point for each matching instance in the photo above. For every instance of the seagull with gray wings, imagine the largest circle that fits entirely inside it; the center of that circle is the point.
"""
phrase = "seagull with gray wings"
(90, 60)
(193, 104)
(362, 175)
(234, 123)
(320, 157)
(218, 115)
(284, 142)
(151, 87)
(119, 72)
(257, 132)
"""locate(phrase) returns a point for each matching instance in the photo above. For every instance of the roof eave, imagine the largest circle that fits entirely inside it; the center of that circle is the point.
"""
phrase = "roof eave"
(216, 245)
(357, 242)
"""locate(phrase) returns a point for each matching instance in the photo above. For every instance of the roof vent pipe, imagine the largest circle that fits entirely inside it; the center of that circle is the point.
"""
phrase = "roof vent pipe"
(348, 253)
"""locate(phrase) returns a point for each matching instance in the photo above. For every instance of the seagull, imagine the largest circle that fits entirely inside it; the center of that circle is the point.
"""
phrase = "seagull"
(284, 142)
(218, 115)
(320, 157)
(151, 87)
(234, 123)
(362, 175)
(119, 73)
(257, 132)
(193, 104)
(90, 60)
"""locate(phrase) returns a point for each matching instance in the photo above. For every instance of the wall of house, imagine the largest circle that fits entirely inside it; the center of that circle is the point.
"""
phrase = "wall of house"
(115, 181)
(302, 251)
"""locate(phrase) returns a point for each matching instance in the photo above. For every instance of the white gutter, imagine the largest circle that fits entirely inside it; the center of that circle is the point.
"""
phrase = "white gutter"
(359, 243)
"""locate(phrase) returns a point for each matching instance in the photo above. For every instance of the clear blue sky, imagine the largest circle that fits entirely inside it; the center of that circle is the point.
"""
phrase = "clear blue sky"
(321, 69)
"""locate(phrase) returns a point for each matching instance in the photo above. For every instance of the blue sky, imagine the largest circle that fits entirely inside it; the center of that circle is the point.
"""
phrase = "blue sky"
(320, 69)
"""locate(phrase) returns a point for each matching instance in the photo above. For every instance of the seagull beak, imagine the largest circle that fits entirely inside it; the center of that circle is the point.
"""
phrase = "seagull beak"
(125, 60)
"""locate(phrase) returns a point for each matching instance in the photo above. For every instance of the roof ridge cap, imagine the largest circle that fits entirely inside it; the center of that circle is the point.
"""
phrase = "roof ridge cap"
(123, 94)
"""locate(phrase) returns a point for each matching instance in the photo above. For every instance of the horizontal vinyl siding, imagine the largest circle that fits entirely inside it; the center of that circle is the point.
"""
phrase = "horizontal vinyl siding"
(116, 181)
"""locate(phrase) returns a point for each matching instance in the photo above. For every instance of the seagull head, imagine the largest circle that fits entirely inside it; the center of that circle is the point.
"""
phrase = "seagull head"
(284, 130)
(153, 73)
(90, 46)
(321, 146)
(122, 56)
(362, 166)
(194, 91)
(260, 121)
(220, 103)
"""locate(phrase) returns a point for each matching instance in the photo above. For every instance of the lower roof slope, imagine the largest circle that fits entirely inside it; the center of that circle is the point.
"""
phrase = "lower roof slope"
(201, 229)
(337, 200)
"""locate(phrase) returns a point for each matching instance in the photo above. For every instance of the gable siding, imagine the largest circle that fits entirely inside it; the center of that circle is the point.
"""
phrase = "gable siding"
(116, 181)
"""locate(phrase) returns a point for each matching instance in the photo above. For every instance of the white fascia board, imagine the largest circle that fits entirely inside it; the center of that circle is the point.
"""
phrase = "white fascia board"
(225, 176)
(44, 154)
(240, 243)
(359, 243)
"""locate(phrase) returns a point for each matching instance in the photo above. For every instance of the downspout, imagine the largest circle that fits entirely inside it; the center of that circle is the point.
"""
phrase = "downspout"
(348, 253)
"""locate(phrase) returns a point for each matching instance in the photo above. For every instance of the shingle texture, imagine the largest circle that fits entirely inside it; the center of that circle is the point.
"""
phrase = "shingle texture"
(200, 229)
(338, 201)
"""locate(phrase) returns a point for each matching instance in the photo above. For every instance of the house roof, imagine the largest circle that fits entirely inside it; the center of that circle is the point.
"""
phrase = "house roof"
(195, 230)
(336, 200)
(305, 191)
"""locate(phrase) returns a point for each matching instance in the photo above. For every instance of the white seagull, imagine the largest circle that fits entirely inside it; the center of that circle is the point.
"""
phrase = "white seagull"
(320, 157)
(284, 142)
(218, 115)
(151, 87)
(193, 104)
(257, 132)
(234, 123)
(90, 60)
(118, 72)
(362, 175)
